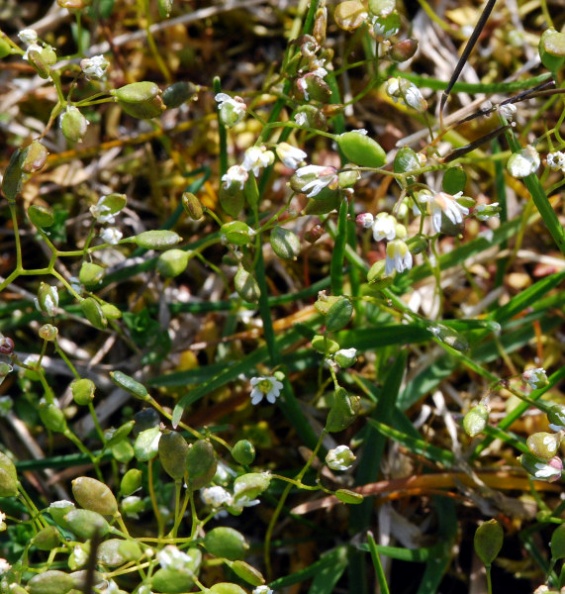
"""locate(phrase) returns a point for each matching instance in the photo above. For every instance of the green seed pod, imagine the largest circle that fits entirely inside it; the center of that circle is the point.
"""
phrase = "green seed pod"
(312, 87)
(35, 58)
(14, 177)
(83, 391)
(249, 486)
(227, 588)
(93, 313)
(47, 538)
(158, 239)
(381, 7)
(47, 299)
(8, 477)
(201, 464)
(285, 243)
(350, 497)
(178, 93)
(90, 275)
(35, 157)
(73, 124)
(84, 523)
(476, 420)
(131, 482)
(140, 100)
(247, 572)
(406, 160)
(123, 452)
(5, 48)
(344, 411)
(94, 495)
(324, 345)
(173, 450)
(192, 206)
(544, 445)
(41, 216)
(556, 415)
(51, 581)
(172, 262)
(552, 49)
(361, 150)
(146, 444)
(128, 384)
(58, 510)
(488, 541)
(243, 452)
(172, 580)
(557, 544)
(226, 542)
(237, 232)
(246, 286)
(114, 436)
(115, 551)
(339, 314)
(52, 417)
(79, 580)
(348, 178)
(111, 312)
(403, 50)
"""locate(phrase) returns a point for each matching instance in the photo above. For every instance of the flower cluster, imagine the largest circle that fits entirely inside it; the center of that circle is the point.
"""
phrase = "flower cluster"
(556, 161)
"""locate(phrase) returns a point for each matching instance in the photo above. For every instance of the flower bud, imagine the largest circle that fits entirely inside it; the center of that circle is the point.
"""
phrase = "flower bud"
(132, 506)
(346, 357)
(231, 110)
(94, 495)
(201, 464)
(544, 445)
(226, 542)
(140, 100)
(84, 523)
(131, 481)
(34, 157)
(8, 477)
(110, 312)
(108, 206)
(41, 216)
(172, 262)
(243, 452)
(343, 412)
(246, 286)
(348, 178)
(350, 15)
(488, 541)
(285, 243)
(545, 471)
(192, 206)
(158, 239)
(340, 458)
(74, 5)
(41, 60)
(403, 50)
(51, 581)
(52, 417)
(173, 450)
(73, 124)
(361, 150)
(536, 378)
(83, 391)
(314, 233)
(476, 420)
(324, 345)
(92, 311)
(48, 332)
(386, 26)
(58, 510)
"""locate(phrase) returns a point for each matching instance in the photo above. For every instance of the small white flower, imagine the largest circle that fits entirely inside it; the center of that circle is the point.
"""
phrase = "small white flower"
(365, 220)
(384, 227)
(28, 36)
(549, 471)
(216, 496)
(415, 99)
(95, 67)
(4, 566)
(346, 357)
(556, 161)
(172, 558)
(507, 111)
(111, 235)
(102, 211)
(398, 257)
(340, 458)
(290, 155)
(265, 387)
(301, 118)
(262, 590)
(257, 158)
(317, 177)
(524, 162)
(444, 203)
(535, 378)
(232, 109)
(79, 556)
(235, 175)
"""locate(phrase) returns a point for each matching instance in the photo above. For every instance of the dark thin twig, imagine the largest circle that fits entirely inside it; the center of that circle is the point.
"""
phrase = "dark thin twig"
(473, 145)
(466, 52)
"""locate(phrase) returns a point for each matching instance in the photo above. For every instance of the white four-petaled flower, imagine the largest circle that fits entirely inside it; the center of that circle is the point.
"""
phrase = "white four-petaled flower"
(235, 175)
(442, 203)
(384, 227)
(290, 155)
(256, 158)
(398, 257)
(316, 178)
(95, 67)
(267, 387)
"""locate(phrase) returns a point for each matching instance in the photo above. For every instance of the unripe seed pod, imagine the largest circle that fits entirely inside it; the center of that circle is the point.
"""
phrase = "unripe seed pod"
(226, 542)
(52, 417)
(361, 150)
(94, 495)
(173, 450)
(41, 216)
(237, 232)
(557, 544)
(47, 538)
(552, 49)
(35, 58)
(172, 262)
(73, 124)
(129, 384)
(131, 481)
(178, 93)
(80, 577)
(58, 510)
(488, 541)
(83, 391)
(309, 116)
(343, 412)
(84, 523)
(348, 178)
(171, 580)
(349, 497)
(243, 452)
(250, 485)
(227, 588)
(8, 477)
(285, 243)
(140, 100)
(51, 581)
(476, 420)
(246, 285)
(192, 206)
(93, 313)
(115, 551)
(247, 572)
(158, 239)
(111, 312)
(556, 415)
(403, 50)
(90, 274)
(201, 464)
(544, 445)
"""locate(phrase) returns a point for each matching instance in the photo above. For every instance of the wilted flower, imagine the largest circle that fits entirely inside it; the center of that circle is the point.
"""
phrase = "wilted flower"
(508, 110)
(535, 378)
(262, 590)
(384, 227)
(290, 155)
(314, 178)
(265, 387)
(173, 558)
(102, 211)
(524, 162)
(216, 496)
(256, 158)
(401, 89)
(95, 67)
(446, 204)
(340, 458)
(556, 161)
(232, 109)
(28, 36)
(235, 176)
(111, 235)
(398, 257)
